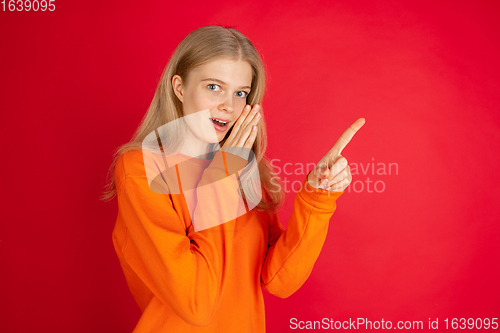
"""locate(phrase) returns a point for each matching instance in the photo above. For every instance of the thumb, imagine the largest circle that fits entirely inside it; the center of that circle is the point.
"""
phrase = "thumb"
(321, 170)
(319, 173)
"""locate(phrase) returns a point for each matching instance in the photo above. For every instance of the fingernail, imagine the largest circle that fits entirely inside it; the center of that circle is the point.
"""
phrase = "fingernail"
(254, 128)
(324, 181)
(328, 188)
(257, 115)
(257, 106)
(247, 107)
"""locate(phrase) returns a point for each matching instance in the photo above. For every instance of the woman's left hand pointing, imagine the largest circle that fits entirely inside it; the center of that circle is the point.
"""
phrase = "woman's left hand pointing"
(333, 172)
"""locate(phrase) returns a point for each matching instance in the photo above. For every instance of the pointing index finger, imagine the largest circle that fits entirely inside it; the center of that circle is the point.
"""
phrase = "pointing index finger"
(346, 137)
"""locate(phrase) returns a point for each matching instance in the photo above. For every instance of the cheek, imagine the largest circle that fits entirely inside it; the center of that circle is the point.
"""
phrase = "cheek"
(239, 104)
(199, 100)
(237, 115)
(207, 99)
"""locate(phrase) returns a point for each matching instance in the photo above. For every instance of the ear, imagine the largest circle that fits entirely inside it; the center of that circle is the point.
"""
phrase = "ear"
(178, 87)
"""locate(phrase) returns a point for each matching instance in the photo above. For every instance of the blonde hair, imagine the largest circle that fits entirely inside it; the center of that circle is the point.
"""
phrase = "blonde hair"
(197, 48)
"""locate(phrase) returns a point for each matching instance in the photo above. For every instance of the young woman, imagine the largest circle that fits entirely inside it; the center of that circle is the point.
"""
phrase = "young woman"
(197, 233)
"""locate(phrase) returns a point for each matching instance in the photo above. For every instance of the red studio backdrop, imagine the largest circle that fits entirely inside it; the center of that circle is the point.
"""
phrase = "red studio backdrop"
(415, 236)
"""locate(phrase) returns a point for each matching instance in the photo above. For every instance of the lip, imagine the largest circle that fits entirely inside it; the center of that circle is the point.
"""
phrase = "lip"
(222, 119)
(220, 128)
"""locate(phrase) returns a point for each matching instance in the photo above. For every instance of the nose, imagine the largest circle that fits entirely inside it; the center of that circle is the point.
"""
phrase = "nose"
(227, 104)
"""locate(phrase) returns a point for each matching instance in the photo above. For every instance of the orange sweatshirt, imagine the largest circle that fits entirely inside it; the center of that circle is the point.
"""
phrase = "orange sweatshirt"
(210, 280)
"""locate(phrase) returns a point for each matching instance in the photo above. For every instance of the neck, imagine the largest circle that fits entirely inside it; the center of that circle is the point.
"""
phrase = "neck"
(196, 148)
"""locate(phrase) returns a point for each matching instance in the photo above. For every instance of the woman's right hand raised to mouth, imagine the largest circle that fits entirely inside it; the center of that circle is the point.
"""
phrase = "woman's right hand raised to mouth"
(244, 131)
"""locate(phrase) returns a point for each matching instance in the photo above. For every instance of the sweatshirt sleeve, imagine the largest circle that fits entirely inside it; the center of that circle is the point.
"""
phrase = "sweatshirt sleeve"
(292, 252)
(184, 270)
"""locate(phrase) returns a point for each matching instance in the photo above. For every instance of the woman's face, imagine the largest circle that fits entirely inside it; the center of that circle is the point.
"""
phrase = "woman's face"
(220, 87)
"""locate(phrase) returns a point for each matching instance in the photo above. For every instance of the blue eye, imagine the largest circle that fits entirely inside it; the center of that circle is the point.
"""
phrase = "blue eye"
(214, 85)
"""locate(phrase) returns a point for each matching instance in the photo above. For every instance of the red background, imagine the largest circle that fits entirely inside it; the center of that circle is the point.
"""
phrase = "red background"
(76, 82)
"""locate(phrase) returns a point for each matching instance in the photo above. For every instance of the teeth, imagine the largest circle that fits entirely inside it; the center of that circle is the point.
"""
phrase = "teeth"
(219, 122)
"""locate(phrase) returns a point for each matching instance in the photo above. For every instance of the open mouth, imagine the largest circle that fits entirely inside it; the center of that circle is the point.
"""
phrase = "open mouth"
(220, 125)
(219, 122)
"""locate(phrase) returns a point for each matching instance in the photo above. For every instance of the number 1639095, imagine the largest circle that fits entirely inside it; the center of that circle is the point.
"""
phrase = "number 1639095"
(28, 5)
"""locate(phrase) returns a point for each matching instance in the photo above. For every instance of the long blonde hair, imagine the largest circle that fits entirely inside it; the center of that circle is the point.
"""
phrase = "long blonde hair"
(198, 47)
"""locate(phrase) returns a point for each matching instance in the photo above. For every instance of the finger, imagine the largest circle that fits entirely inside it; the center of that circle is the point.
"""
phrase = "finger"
(251, 138)
(340, 186)
(240, 138)
(321, 170)
(251, 115)
(318, 177)
(344, 174)
(333, 172)
(336, 168)
(235, 129)
(240, 120)
(346, 137)
(247, 132)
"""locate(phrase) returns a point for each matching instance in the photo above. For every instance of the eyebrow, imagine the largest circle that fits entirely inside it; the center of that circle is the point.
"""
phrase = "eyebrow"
(223, 83)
